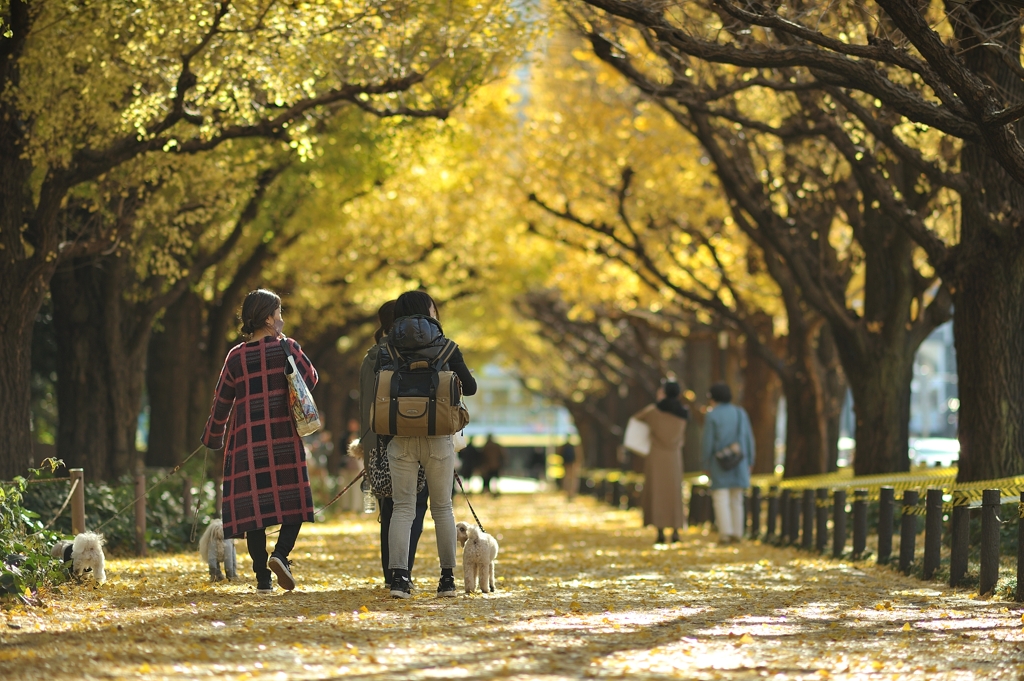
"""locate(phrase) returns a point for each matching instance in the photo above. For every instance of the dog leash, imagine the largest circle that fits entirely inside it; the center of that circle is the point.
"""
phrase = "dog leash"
(328, 504)
(74, 486)
(155, 485)
(199, 500)
(475, 517)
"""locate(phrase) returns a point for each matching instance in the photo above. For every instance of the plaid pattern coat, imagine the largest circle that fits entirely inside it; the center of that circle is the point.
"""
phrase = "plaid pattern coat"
(265, 478)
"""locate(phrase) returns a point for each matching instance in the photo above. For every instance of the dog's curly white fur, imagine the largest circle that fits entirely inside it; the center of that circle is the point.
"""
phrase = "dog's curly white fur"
(479, 551)
(86, 554)
(216, 550)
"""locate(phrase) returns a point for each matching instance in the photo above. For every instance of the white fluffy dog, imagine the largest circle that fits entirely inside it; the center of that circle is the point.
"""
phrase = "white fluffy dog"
(216, 550)
(479, 551)
(85, 554)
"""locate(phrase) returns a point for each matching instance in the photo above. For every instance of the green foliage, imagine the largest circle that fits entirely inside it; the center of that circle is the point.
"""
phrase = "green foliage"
(24, 544)
(168, 523)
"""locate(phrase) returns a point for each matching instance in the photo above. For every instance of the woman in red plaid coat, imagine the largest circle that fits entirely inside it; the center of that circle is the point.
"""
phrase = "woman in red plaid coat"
(265, 478)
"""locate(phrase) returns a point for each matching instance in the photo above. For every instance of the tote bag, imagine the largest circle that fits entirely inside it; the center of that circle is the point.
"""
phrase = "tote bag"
(637, 437)
(300, 401)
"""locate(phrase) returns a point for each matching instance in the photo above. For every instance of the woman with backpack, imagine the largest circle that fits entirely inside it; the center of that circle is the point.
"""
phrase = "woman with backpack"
(265, 478)
(727, 449)
(417, 335)
(372, 445)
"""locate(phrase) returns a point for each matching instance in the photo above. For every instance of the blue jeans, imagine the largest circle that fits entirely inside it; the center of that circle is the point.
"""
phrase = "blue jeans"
(437, 456)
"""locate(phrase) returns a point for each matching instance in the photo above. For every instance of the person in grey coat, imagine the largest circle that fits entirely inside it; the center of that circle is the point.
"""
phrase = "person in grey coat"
(724, 425)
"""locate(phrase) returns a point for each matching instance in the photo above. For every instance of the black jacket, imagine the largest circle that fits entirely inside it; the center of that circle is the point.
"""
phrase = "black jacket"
(423, 337)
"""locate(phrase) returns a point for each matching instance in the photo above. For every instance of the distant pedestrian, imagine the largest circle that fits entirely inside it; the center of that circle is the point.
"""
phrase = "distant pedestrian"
(370, 441)
(492, 461)
(662, 496)
(417, 334)
(265, 477)
(470, 456)
(727, 435)
(571, 481)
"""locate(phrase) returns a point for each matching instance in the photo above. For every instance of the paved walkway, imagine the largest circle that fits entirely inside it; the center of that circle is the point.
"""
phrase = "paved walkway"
(583, 594)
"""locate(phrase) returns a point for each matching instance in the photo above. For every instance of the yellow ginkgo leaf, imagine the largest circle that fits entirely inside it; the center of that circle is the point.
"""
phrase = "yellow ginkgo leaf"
(746, 638)
(906, 627)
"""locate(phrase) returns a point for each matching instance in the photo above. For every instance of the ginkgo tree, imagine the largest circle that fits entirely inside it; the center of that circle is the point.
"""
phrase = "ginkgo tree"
(87, 88)
(812, 182)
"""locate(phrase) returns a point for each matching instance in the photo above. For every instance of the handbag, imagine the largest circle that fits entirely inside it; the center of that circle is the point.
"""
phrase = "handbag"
(730, 456)
(300, 400)
(379, 472)
(637, 437)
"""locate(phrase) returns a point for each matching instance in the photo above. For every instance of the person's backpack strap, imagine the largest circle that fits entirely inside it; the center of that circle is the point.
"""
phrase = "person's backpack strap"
(445, 355)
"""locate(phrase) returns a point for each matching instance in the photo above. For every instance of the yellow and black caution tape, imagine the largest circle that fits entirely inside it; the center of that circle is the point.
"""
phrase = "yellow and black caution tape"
(955, 494)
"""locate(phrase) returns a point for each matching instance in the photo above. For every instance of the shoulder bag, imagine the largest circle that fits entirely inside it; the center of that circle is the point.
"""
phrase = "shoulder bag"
(730, 456)
(300, 401)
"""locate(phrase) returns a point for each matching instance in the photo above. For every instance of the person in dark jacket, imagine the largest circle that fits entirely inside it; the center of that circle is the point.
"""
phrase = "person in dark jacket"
(418, 333)
(369, 440)
(265, 477)
(492, 460)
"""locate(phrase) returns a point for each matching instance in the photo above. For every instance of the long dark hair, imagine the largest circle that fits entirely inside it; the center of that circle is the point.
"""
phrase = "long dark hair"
(413, 303)
(386, 317)
(257, 306)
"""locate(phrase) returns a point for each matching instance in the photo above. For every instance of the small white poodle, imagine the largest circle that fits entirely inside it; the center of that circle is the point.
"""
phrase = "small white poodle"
(479, 551)
(85, 554)
(216, 549)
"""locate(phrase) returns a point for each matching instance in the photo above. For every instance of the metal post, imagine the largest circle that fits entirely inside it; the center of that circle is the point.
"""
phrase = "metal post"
(908, 530)
(838, 523)
(78, 501)
(140, 514)
(186, 497)
(821, 531)
(860, 522)
(886, 511)
(773, 512)
(807, 539)
(932, 532)
(785, 515)
(959, 529)
(755, 512)
(990, 500)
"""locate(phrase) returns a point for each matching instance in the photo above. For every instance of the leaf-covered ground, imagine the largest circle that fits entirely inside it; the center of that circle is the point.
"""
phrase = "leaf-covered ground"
(582, 594)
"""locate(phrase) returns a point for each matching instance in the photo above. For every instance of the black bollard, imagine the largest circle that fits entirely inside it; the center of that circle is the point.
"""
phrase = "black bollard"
(838, 523)
(784, 516)
(886, 511)
(794, 520)
(989, 573)
(1019, 596)
(860, 523)
(755, 512)
(809, 516)
(932, 532)
(959, 530)
(773, 512)
(821, 510)
(908, 530)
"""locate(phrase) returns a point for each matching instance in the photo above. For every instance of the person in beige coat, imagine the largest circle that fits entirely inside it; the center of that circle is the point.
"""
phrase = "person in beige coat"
(662, 497)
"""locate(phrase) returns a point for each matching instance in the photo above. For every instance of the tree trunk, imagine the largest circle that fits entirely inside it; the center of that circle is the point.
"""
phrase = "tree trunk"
(881, 405)
(989, 282)
(806, 450)
(19, 302)
(833, 383)
(101, 367)
(170, 373)
(761, 390)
